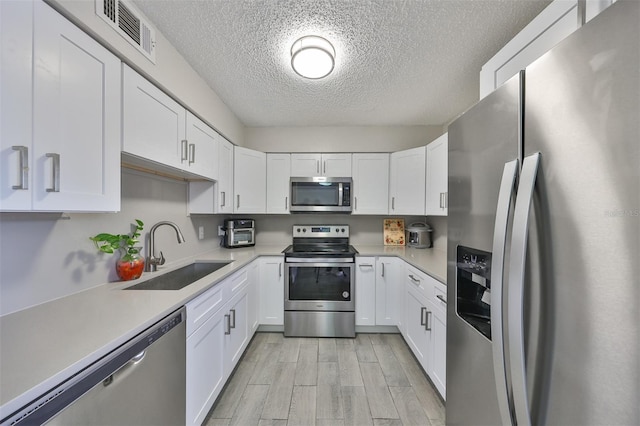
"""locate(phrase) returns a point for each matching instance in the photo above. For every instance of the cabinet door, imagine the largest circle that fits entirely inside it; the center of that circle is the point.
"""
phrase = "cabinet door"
(272, 290)
(370, 184)
(388, 290)
(278, 174)
(407, 182)
(306, 165)
(76, 118)
(253, 310)
(206, 373)
(224, 191)
(202, 148)
(249, 172)
(437, 177)
(438, 363)
(336, 165)
(365, 291)
(417, 319)
(153, 123)
(238, 337)
(16, 153)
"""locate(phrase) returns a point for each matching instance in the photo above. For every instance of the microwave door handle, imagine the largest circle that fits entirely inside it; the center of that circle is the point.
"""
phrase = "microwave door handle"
(340, 192)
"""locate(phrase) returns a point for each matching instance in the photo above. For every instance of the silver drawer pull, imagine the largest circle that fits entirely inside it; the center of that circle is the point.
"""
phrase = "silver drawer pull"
(414, 279)
(233, 318)
(184, 150)
(23, 166)
(427, 325)
(423, 320)
(442, 299)
(192, 153)
(368, 265)
(56, 171)
(228, 324)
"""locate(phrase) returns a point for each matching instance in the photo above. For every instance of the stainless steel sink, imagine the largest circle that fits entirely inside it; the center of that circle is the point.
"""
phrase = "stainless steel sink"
(180, 278)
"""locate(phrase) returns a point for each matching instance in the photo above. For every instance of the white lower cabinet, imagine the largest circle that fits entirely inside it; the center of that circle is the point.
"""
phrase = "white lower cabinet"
(388, 290)
(271, 290)
(425, 328)
(218, 331)
(365, 290)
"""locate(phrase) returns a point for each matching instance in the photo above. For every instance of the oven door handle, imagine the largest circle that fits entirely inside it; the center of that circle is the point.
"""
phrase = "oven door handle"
(323, 260)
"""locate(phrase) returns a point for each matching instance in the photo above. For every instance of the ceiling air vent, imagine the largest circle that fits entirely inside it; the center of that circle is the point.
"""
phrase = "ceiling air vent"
(130, 24)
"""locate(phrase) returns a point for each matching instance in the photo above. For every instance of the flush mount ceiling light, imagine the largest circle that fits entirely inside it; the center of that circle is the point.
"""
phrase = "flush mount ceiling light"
(312, 57)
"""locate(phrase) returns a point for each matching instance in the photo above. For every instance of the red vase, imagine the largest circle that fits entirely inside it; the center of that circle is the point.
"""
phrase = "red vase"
(130, 267)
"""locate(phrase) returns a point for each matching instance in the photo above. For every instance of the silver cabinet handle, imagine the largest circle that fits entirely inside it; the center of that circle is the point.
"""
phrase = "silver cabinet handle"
(192, 153)
(393, 203)
(224, 198)
(23, 165)
(286, 203)
(446, 199)
(427, 323)
(365, 265)
(382, 274)
(441, 298)
(228, 324)
(515, 311)
(441, 201)
(56, 172)
(355, 203)
(318, 166)
(505, 195)
(233, 318)
(414, 279)
(184, 150)
(324, 167)
(279, 269)
(238, 201)
(423, 319)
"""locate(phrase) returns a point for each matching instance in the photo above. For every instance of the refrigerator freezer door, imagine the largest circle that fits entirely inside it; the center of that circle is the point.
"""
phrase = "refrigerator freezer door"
(481, 141)
(583, 116)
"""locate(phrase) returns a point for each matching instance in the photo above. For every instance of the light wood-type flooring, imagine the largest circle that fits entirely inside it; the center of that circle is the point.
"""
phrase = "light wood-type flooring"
(370, 380)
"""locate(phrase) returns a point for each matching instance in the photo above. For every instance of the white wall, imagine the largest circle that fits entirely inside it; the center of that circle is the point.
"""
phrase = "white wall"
(44, 257)
(339, 139)
(171, 72)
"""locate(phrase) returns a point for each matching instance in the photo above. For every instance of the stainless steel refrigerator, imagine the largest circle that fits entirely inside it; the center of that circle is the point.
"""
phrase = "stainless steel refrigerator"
(543, 321)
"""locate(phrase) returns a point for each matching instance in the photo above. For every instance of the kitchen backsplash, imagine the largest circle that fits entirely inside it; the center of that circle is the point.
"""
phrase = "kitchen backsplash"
(45, 256)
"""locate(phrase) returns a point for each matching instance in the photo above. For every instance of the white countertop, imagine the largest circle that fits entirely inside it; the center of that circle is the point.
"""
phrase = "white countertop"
(46, 344)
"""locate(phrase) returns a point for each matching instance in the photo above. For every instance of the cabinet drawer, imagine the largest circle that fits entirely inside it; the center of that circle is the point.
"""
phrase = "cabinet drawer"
(237, 282)
(439, 298)
(418, 280)
(203, 307)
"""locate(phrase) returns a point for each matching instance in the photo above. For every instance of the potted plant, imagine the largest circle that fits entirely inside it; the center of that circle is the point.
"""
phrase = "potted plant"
(131, 264)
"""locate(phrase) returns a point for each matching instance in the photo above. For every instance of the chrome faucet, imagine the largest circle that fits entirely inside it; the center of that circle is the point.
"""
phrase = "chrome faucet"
(151, 265)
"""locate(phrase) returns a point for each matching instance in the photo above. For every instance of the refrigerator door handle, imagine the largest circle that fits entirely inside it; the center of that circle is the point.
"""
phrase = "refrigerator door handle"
(505, 196)
(517, 259)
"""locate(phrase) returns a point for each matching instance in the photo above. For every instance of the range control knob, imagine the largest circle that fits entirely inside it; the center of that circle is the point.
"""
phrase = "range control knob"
(342, 229)
(304, 229)
(337, 230)
(298, 230)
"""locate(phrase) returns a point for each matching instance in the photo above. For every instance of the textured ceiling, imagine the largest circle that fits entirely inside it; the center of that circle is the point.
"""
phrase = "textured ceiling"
(397, 62)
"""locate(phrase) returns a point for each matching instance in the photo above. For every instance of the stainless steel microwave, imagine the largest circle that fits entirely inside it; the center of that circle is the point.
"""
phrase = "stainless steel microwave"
(320, 194)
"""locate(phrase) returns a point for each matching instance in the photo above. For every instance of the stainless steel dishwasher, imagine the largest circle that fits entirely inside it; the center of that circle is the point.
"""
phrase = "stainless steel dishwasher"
(140, 383)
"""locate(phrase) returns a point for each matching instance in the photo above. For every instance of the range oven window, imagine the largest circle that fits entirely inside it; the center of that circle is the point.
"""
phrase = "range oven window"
(327, 283)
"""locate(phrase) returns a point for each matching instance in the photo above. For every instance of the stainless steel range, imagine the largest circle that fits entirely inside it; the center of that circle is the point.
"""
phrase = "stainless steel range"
(319, 299)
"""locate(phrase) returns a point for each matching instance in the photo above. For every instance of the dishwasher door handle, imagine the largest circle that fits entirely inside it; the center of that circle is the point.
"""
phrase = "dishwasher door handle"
(125, 369)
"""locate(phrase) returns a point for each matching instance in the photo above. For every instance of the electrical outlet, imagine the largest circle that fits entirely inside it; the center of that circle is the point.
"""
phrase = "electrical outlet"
(201, 232)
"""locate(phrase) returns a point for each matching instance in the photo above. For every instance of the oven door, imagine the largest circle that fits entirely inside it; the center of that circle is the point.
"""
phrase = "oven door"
(320, 285)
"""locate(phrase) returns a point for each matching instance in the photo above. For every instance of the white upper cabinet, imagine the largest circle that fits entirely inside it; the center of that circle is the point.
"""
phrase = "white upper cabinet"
(370, 183)
(278, 174)
(551, 26)
(249, 183)
(153, 123)
(437, 196)
(202, 148)
(407, 182)
(224, 186)
(71, 161)
(331, 165)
